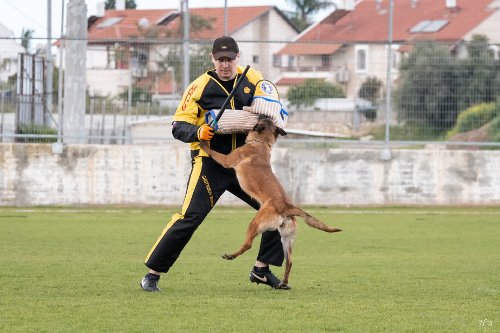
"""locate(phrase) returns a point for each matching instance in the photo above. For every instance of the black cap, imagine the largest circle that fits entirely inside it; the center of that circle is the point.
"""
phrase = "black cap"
(225, 46)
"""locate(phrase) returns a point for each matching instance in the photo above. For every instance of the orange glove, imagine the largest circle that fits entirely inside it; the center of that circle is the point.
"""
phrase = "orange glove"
(205, 132)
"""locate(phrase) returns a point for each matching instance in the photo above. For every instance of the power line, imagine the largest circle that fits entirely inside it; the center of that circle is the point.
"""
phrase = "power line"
(26, 16)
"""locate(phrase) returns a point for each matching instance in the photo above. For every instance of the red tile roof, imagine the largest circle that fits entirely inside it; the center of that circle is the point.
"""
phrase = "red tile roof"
(238, 17)
(162, 84)
(369, 24)
(290, 81)
(128, 27)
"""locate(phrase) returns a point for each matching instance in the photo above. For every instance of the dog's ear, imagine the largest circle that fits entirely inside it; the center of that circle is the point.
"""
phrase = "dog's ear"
(281, 131)
(259, 127)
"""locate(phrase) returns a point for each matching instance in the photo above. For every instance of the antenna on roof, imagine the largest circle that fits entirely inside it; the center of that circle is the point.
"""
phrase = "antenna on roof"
(143, 22)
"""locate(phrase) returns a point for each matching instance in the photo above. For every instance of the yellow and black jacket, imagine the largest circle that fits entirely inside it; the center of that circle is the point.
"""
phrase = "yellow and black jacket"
(207, 93)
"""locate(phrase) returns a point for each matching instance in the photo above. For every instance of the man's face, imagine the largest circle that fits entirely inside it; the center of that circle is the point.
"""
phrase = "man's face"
(226, 67)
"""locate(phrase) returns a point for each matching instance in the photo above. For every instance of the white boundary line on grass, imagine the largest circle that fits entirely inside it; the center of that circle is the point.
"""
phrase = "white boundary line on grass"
(232, 211)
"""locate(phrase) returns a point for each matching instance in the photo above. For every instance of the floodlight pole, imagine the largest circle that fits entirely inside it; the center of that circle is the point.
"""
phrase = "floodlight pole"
(57, 147)
(48, 58)
(386, 153)
(185, 44)
(225, 17)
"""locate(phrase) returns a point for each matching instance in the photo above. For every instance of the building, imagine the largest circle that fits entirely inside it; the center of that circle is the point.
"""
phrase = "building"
(350, 44)
(9, 51)
(132, 46)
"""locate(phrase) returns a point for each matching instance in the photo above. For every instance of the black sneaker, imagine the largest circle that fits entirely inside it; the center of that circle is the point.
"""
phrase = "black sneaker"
(265, 276)
(150, 282)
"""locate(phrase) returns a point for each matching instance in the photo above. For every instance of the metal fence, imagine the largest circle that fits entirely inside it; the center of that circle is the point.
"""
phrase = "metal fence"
(440, 93)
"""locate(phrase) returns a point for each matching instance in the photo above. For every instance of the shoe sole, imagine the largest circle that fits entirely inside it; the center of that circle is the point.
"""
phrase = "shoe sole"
(279, 286)
(149, 290)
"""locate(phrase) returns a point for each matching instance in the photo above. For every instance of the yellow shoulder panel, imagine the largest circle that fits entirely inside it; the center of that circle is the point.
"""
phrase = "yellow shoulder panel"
(253, 75)
(188, 107)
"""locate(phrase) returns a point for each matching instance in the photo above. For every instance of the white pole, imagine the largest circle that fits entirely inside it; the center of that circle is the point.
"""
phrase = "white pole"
(48, 57)
(225, 17)
(60, 83)
(386, 152)
(186, 44)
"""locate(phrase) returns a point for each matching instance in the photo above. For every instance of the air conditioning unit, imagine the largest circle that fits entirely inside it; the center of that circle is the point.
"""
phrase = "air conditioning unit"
(342, 76)
(451, 4)
(349, 5)
(139, 72)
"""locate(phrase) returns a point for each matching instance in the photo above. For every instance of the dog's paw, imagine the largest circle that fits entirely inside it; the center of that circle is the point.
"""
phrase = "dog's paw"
(204, 146)
(228, 256)
(284, 286)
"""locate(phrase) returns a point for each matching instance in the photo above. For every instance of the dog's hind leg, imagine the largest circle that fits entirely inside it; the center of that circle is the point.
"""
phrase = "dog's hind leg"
(257, 226)
(288, 232)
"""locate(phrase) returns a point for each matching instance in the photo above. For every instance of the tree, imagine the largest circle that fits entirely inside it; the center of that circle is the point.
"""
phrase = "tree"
(303, 9)
(370, 90)
(199, 62)
(427, 95)
(479, 74)
(310, 90)
(26, 36)
(435, 86)
(111, 4)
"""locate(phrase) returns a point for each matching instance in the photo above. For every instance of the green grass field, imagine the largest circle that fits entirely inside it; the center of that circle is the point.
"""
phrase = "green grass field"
(391, 270)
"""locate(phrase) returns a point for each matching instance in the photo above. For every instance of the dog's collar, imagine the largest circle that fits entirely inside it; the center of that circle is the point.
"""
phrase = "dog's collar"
(261, 141)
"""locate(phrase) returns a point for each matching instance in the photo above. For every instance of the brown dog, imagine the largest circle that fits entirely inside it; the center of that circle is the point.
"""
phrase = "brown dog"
(252, 163)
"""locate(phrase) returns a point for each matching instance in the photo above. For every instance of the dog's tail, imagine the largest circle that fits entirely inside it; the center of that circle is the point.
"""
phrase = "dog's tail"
(311, 220)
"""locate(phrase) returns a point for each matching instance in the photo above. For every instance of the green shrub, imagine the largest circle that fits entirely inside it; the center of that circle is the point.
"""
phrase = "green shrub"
(37, 130)
(495, 130)
(475, 117)
(310, 90)
(408, 132)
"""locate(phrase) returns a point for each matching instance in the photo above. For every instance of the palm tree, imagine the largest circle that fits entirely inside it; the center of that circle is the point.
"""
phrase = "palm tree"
(26, 36)
(111, 4)
(303, 9)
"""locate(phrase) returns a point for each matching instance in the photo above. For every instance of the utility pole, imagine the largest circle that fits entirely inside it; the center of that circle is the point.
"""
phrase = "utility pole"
(225, 17)
(57, 147)
(186, 43)
(386, 153)
(48, 58)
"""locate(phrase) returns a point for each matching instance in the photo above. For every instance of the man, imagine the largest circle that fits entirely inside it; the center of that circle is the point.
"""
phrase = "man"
(208, 180)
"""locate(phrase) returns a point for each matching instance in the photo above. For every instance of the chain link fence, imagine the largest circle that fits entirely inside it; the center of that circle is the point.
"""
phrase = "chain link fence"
(440, 93)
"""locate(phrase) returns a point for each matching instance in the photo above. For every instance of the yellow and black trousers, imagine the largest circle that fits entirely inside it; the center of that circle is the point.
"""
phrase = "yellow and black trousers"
(207, 182)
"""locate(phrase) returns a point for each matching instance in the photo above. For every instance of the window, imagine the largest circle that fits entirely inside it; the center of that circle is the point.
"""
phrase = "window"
(361, 63)
(496, 51)
(276, 60)
(255, 59)
(291, 60)
(325, 60)
(361, 58)
(428, 26)
(109, 22)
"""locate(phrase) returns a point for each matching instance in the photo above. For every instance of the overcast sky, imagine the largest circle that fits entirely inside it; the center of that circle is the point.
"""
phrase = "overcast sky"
(32, 14)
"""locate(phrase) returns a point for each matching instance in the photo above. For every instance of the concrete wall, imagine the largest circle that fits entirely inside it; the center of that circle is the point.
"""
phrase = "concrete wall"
(156, 175)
